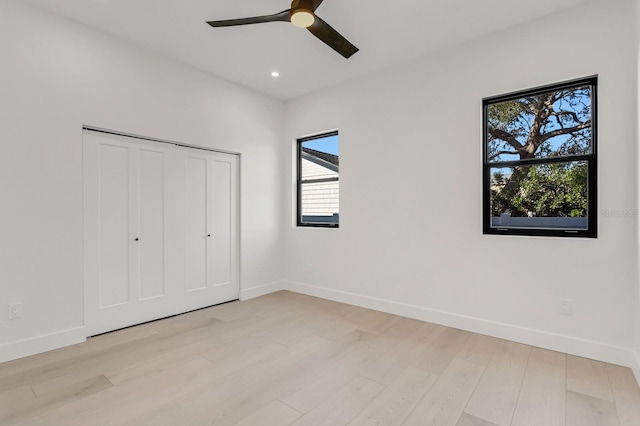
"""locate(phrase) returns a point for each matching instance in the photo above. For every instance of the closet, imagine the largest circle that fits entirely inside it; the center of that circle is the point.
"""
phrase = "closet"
(160, 229)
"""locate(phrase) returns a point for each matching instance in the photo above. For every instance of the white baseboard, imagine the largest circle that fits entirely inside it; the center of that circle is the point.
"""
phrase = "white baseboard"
(585, 348)
(48, 342)
(566, 344)
(636, 368)
(39, 344)
(261, 290)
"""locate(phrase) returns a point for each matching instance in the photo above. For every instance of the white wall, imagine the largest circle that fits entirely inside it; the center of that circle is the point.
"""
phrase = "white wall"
(637, 47)
(56, 76)
(410, 239)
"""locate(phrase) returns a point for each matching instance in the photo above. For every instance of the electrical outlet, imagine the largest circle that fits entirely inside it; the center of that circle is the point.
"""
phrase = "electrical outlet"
(565, 307)
(15, 310)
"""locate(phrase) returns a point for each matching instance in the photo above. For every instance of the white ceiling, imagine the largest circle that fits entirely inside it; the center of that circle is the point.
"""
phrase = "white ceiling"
(387, 33)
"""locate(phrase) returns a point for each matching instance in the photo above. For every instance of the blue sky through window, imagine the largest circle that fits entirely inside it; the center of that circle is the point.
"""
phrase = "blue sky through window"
(328, 144)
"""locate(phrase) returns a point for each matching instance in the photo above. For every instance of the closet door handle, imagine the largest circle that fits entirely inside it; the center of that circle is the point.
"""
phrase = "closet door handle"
(208, 235)
(137, 239)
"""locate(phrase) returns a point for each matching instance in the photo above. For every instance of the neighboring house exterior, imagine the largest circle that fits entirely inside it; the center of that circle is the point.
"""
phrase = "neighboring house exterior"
(320, 200)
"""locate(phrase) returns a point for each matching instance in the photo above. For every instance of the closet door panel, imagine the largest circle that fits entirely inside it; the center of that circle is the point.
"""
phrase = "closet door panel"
(196, 222)
(222, 223)
(210, 199)
(152, 220)
(114, 243)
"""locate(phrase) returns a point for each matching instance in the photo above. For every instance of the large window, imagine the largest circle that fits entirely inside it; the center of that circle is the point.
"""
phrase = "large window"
(319, 181)
(540, 161)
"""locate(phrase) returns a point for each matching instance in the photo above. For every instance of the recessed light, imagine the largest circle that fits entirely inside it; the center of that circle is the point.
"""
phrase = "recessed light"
(275, 74)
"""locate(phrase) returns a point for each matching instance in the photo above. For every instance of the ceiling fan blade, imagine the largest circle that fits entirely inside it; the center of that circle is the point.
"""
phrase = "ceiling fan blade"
(332, 38)
(315, 4)
(306, 4)
(283, 16)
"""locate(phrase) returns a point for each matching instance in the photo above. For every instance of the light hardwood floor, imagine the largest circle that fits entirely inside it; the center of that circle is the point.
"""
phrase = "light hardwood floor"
(289, 359)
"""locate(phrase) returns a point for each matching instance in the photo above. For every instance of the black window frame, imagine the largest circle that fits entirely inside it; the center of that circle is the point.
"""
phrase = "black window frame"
(590, 159)
(300, 182)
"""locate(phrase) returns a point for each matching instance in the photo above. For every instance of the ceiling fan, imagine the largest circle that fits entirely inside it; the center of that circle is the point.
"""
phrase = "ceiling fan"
(302, 14)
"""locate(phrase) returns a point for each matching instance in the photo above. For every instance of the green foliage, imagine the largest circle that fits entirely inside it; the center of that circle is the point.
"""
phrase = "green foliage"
(547, 190)
(505, 115)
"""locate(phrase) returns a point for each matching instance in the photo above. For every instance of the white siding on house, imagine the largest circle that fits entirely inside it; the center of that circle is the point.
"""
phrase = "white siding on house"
(322, 198)
(311, 170)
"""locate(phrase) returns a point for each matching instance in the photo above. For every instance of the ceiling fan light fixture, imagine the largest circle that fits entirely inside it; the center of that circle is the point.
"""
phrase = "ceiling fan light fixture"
(302, 18)
(301, 14)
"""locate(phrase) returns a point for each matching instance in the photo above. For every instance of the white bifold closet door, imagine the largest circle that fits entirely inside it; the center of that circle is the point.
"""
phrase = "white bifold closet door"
(207, 200)
(160, 230)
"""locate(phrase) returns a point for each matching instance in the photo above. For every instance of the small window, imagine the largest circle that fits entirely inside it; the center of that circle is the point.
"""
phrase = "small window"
(319, 181)
(540, 161)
